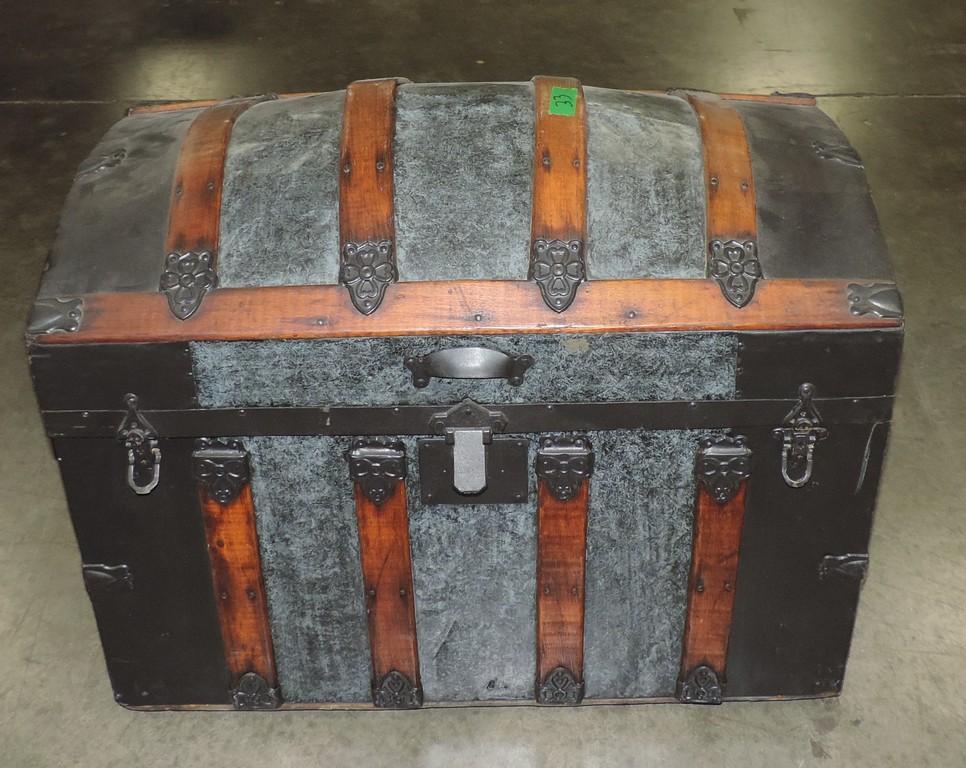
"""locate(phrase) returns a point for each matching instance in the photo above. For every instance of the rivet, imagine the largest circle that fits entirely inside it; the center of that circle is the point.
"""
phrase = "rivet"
(546, 590)
(178, 191)
(744, 186)
(347, 169)
(251, 593)
(714, 181)
(224, 595)
(478, 317)
(632, 314)
(574, 591)
(85, 414)
(380, 166)
(576, 163)
(371, 593)
(402, 592)
(699, 587)
(210, 186)
(728, 586)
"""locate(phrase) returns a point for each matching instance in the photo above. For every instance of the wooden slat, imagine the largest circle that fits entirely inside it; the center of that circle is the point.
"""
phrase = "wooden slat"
(195, 210)
(366, 205)
(485, 307)
(178, 106)
(387, 574)
(561, 554)
(236, 572)
(559, 209)
(712, 581)
(730, 186)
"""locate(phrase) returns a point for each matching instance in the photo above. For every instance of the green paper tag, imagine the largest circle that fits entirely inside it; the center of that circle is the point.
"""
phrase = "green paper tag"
(563, 101)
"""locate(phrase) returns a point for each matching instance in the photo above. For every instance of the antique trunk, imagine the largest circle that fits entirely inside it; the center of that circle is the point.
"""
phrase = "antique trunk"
(429, 394)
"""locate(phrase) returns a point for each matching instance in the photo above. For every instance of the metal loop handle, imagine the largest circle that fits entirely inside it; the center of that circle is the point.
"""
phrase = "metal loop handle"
(806, 474)
(142, 490)
(468, 363)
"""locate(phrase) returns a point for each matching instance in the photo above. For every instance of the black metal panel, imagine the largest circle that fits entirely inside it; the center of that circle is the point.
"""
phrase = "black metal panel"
(419, 419)
(161, 637)
(815, 213)
(112, 231)
(507, 473)
(838, 363)
(792, 628)
(97, 376)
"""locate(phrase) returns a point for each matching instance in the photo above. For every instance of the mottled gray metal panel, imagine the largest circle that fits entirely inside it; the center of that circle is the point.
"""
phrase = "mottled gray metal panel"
(567, 368)
(474, 570)
(815, 214)
(638, 553)
(645, 187)
(463, 181)
(112, 232)
(280, 206)
(309, 545)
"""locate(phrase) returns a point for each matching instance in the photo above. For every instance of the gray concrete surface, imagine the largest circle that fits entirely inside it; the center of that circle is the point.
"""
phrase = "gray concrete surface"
(895, 73)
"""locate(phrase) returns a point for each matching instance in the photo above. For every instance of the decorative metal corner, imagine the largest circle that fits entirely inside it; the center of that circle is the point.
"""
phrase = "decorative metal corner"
(735, 267)
(722, 465)
(55, 316)
(378, 466)
(878, 299)
(850, 566)
(254, 693)
(560, 688)
(187, 278)
(801, 430)
(221, 467)
(557, 266)
(100, 579)
(700, 687)
(143, 453)
(843, 153)
(396, 691)
(563, 463)
(366, 271)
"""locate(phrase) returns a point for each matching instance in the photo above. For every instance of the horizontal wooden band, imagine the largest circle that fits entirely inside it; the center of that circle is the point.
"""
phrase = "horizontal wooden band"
(712, 581)
(387, 574)
(485, 307)
(236, 572)
(195, 210)
(561, 563)
(729, 182)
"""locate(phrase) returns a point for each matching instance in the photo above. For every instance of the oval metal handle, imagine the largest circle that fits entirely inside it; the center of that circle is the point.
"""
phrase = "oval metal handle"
(468, 363)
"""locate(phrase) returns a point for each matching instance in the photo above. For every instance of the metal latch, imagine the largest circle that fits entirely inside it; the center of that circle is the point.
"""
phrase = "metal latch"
(468, 427)
(802, 429)
(143, 454)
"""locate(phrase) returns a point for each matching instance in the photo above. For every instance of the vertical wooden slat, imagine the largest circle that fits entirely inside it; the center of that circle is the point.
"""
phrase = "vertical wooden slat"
(236, 573)
(194, 217)
(563, 471)
(732, 219)
(378, 470)
(367, 230)
(558, 233)
(718, 521)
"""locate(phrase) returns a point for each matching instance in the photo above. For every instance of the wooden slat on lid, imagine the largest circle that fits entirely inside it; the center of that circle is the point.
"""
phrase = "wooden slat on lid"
(194, 217)
(732, 218)
(558, 233)
(367, 230)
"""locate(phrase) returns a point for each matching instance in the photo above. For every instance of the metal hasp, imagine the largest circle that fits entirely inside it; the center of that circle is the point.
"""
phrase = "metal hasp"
(221, 467)
(878, 299)
(563, 463)
(366, 271)
(557, 266)
(801, 430)
(55, 316)
(722, 465)
(143, 454)
(850, 566)
(701, 687)
(378, 466)
(560, 688)
(734, 265)
(396, 691)
(469, 428)
(186, 280)
(468, 363)
(254, 693)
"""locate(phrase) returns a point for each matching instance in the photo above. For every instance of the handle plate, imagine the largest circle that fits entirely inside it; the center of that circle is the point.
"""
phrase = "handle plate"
(468, 363)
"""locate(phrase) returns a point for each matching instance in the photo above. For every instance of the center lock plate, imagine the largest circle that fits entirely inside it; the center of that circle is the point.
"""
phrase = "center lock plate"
(507, 472)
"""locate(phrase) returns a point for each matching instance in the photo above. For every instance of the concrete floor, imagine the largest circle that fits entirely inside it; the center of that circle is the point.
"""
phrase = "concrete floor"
(894, 74)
